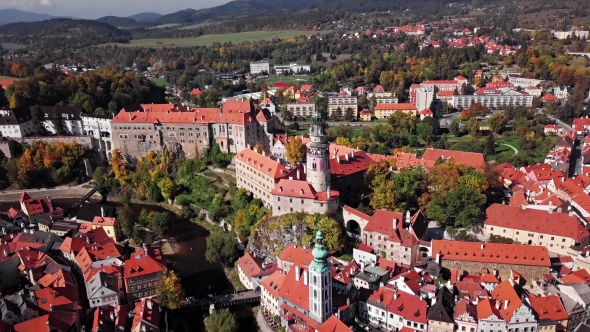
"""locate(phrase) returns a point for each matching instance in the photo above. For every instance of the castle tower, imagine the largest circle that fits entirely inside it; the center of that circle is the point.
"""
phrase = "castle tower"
(318, 156)
(320, 282)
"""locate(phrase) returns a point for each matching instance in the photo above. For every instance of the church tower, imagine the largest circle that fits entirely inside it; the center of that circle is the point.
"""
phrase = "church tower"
(320, 282)
(318, 156)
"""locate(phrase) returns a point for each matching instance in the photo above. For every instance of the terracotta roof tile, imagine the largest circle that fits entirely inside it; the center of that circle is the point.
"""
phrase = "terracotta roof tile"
(333, 324)
(273, 283)
(296, 291)
(296, 255)
(253, 268)
(148, 311)
(512, 254)
(505, 292)
(549, 307)
(472, 159)
(142, 265)
(261, 163)
(577, 277)
(486, 308)
(395, 107)
(532, 220)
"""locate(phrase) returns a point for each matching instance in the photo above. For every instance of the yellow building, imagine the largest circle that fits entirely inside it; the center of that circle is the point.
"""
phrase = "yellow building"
(366, 115)
(109, 225)
(384, 111)
(556, 231)
(258, 174)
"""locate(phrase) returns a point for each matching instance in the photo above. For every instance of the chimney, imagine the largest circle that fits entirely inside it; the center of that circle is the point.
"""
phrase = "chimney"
(329, 192)
(112, 316)
(352, 153)
(338, 159)
(304, 168)
(394, 223)
(88, 239)
(298, 175)
(51, 307)
(346, 157)
(505, 304)
(297, 271)
(438, 258)
(5, 252)
(395, 295)
(130, 118)
(497, 304)
(482, 246)
(149, 304)
(362, 266)
(102, 211)
(347, 301)
(305, 278)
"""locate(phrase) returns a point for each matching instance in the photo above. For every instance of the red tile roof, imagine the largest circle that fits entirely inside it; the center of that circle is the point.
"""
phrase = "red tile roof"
(512, 254)
(36, 324)
(505, 292)
(296, 291)
(578, 277)
(364, 247)
(382, 223)
(549, 97)
(299, 189)
(306, 87)
(252, 268)
(51, 297)
(263, 164)
(359, 163)
(408, 306)
(549, 307)
(395, 107)
(297, 255)
(110, 319)
(141, 265)
(378, 88)
(273, 283)
(196, 92)
(148, 311)
(464, 306)
(486, 308)
(333, 324)
(472, 159)
(103, 221)
(539, 221)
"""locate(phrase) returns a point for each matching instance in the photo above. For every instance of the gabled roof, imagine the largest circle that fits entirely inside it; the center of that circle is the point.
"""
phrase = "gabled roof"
(382, 222)
(140, 265)
(548, 307)
(395, 107)
(273, 283)
(442, 309)
(472, 159)
(263, 164)
(147, 311)
(539, 221)
(513, 254)
(464, 306)
(505, 293)
(253, 268)
(486, 308)
(577, 277)
(333, 324)
(297, 255)
(296, 291)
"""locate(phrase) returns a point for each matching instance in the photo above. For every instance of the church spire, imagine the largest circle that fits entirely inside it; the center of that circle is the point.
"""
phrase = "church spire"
(320, 254)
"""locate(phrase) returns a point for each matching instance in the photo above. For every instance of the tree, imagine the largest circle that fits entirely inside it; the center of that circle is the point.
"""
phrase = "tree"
(331, 228)
(444, 177)
(497, 122)
(458, 208)
(170, 292)
(349, 114)
(221, 248)
(373, 101)
(490, 146)
(167, 187)
(118, 165)
(382, 196)
(454, 129)
(104, 181)
(427, 129)
(473, 126)
(295, 152)
(343, 141)
(221, 321)
(160, 223)
(3, 99)
(37, 117)
(258, 147)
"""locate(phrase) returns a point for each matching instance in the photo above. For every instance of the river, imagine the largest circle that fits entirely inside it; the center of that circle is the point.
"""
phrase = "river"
(198, 276)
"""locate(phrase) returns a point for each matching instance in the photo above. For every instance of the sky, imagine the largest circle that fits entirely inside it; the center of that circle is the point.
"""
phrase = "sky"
(92, 9)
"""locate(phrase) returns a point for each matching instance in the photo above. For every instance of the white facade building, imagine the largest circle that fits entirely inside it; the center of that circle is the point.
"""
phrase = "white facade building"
(523, 82)
(99, 127)
(424, 97)
(493, 98)
(15, 124)
(257, 67)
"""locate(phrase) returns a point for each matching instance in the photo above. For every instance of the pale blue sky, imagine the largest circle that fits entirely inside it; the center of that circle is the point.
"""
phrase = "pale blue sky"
(99, 8)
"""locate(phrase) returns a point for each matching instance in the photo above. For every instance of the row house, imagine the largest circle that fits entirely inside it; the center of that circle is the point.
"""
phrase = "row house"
(39, 208)
(142, 273)
(516, 313)
(440, 313)
(574, 309)
(531, 261)
(394, 310)
(549, 308)
(573, 190)
(110, 318)
(493, 98)
(304, 108)
(146, 316)
(556, 231)
(465, 315)
(252, 271)
(581, 125)
(104, 286)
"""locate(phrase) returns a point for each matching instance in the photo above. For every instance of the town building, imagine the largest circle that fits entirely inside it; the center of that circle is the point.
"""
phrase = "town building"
(293, 255)
(39, 208)
(440, 313)
(304, 108)
(524, 82)
(562, 92)
(515, 313)
(110, 226)
(269, 296)
(110, 318)
(424, 97)
(259, 67)
(104, 286)
(142, 274)
(396, 310)
(530, 261)
(558, 232)
(384, 111)
(16, 123)
(549, 308)
(339, 105)
(68, 115)
(252, 271)
(493, 98)
(305, 298)
(258, 174)
(99, 128)
(465, 316)
(146, 316)
(489, 317)
(187, 132)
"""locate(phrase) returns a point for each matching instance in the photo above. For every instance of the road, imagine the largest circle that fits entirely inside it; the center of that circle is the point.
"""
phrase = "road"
(560, 123)
(62, 191)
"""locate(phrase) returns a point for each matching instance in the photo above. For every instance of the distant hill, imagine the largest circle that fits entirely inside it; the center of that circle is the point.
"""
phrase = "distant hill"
(249, 7)
(62, 33)
(15, 15)
(117, 21)
(144, 16)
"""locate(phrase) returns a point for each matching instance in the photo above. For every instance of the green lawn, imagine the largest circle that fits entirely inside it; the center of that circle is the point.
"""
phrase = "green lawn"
(292, 79)
(6, 78)
(159, 81)
(505, 150)
(207, 40)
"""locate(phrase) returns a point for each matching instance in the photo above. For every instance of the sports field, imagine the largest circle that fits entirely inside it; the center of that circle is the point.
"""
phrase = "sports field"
(296, 80)
(207, 40)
